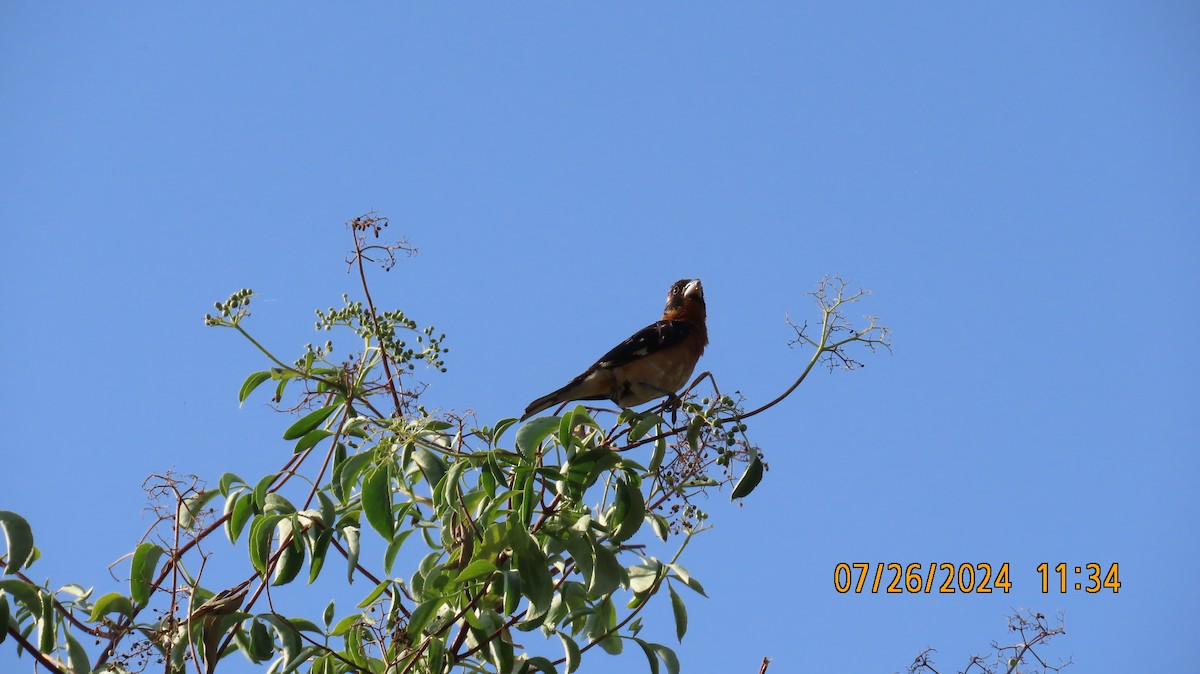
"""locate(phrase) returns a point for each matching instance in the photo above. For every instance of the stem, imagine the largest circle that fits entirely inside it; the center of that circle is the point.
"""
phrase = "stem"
(383, 356)
(821, 348)
(126, 622)
(45, 660)
(266, 353)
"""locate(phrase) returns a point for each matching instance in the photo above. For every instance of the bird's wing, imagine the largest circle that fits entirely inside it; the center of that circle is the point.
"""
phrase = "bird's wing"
(652, 338)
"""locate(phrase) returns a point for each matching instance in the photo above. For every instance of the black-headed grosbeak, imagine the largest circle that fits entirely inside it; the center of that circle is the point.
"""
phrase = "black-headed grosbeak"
(655, 362)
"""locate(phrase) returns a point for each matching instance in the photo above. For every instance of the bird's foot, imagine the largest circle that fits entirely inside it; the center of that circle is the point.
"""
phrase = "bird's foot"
(673, 403)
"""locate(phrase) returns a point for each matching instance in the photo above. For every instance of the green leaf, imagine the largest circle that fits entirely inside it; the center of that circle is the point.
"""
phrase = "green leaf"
(141, 572)
(512, 591)
(476, 569)
(77, 656)
(74, 590)
(642, 426)
(291, 558)
(289, 636)
(320, 548)
(352, 550)
(642, 577)
(241, 641)
(660, 525)
(380, 588)
(18, 537)
(683, 573)
(343, 626)
(193, 506)
(749, 479)
(696, 586)
(565, 430)
(377, 501)
(262, 646)
(239, 506)
(327, 616)
(252, 383)
(112, 602)
(484, 623)
(582, 418)
(494, 539)
(651, 656)
(302, 657)
(582, 553)
(493, 468)
(612, 644)
(608, 573)
(539, 663)
(502, 654)
(309, 422)
(47, 626)
(422, 614)
(572, 652)
(525, 485)
(275, 503)
(501, 426)
(345, 473)
(536, 582)
(693, 432)
(357, 426)
(327, 509)
(4, 614)
(354, 648)
(656, 457)
(280, 387)
(431, 465)
(260, 490)
(629, 513)
(304, 625)
(26, 594)
(310, 439)
(447, 494)
(680, 612)
(582, 471)
(668, 657)
(228, 480)
(436, 656)
(533, 432)
(389, 557)
(259, 541)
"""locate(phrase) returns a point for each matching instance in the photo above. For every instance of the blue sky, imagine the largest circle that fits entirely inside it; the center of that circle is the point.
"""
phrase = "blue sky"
(1019, 183)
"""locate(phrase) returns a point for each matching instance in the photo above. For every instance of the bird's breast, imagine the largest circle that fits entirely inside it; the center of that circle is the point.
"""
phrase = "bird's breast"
(651, 378)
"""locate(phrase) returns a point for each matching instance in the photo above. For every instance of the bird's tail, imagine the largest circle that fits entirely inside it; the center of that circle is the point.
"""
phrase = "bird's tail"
(545, 402)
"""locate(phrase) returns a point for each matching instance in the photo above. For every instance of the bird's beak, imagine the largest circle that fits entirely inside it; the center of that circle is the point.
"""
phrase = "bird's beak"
(693, 289)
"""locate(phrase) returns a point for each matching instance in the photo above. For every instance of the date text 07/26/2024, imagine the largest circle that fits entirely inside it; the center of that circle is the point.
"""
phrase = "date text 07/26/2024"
(979, 578)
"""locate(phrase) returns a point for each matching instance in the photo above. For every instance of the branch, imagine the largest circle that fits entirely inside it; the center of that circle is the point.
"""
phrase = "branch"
(361, 224)
(46, 661)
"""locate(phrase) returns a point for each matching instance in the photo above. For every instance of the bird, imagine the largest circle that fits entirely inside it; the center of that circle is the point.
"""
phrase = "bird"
(655, 361)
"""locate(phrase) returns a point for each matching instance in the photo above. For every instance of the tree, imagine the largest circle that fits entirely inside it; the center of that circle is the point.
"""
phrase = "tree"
(1034, 631)
(544, 526)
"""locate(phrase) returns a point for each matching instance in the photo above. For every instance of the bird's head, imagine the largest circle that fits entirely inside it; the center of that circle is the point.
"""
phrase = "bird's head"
(686, 297)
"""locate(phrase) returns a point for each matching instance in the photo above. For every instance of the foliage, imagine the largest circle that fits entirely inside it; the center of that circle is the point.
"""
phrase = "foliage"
(486, 531)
